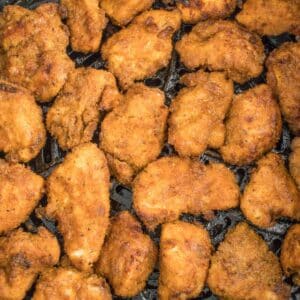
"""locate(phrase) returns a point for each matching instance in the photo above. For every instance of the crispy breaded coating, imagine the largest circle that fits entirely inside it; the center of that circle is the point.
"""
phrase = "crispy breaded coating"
(193, 11)
(290, 253)
(121, 12)
(142, 48)
(294, 160)
(223, 46)
(128, 256)
(23, 256)
(74, 116)
(86, 21)
(78, 198)
(68, 283)
(22, 132)
(198, 112)
(283, 66)
(272, 17)
(185, 251)
(171, 186)
(253, 126)
(244, 268)
(33, 49)
(132, 135)
(20, 192)
(271, 193)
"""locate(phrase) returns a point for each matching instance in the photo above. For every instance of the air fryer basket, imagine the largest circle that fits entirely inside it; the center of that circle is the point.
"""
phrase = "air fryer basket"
(121, 197)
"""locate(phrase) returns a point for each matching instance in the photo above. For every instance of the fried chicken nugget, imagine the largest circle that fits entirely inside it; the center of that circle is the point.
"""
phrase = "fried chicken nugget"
(253, 126)
(122, 12)
(171, 186)
(74, 116)
(294, 160)
(142, 48)
(23, 256)
(244, 268)
(67, 283)
(283, 66)
(132, 135)
(33, 49)
(78, 198)
(185, 251)
(22, 132)
(271, 193)
(128, 256)
(86, 21)
(272, 17)
(223, 46)
(20, 192)
(198, 111)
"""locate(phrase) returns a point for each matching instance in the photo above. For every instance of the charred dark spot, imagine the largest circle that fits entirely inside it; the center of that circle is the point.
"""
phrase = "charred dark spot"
(168, 31)
(8, 88)
(21, 260)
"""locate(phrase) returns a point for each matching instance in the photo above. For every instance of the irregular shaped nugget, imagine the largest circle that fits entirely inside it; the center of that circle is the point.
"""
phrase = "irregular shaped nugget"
(20, 192)
(283, 66)
(185, 251)
(22, 132)
(294, 160)
(272, 17)
(244, 268)
(33, 49)
(271, 193)
(78, 198)
(223, 46)
(23, 256)
(128, 256)
(59, 283)
(171, 186)
(198, 111)
(132, 135)
(74, 116)
(253, 126)
(142, 48)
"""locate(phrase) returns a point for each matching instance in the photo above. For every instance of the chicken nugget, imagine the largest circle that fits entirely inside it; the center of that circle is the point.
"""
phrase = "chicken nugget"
(223, 46)
(78, 198)
(171, 186)
(294, 160)
(128, 256)
(74, 116)
(198, 111)
(271, 193)
(185, 251)
(142, 48)
(253, 126)
(244, 268)
(22, 132)
(132, 135)
(23, 256)
(283, 66)
(272, 17)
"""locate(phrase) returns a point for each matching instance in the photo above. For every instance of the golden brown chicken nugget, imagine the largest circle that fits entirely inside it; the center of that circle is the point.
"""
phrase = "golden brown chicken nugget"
(253, 126)
(23, 256)
(142, 48)
(185, 251)
(272, 17)
(198, 112)
(223, 46)
(171, 186)
(20, 192)
(283, 66)
(78, 198)
(294, 160)
(74, 116)
(271, 193)
(132, 135)
(33, 49)
(244, 268)
(22, 132)
(128, 256)
(122, 12)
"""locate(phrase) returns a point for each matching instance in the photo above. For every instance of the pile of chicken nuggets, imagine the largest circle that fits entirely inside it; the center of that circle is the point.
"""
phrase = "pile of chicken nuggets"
(112, 127)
